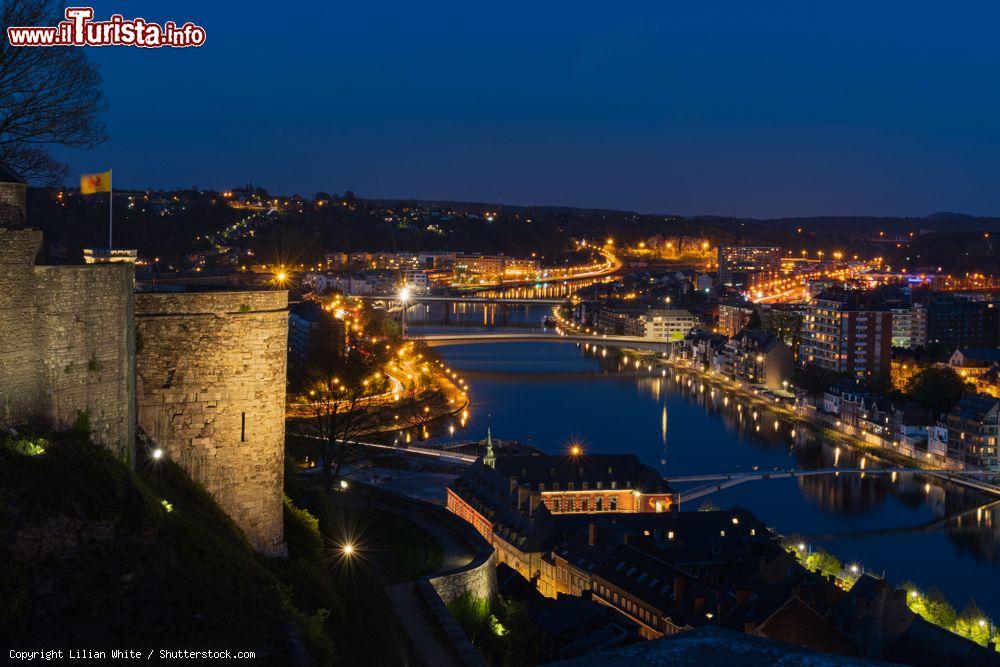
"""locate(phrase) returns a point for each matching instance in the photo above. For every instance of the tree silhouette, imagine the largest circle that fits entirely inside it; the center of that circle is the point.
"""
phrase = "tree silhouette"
(936, 389)
(48, 96)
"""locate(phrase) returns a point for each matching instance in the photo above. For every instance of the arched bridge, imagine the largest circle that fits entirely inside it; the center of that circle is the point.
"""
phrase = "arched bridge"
(638, 342)
(720, 481)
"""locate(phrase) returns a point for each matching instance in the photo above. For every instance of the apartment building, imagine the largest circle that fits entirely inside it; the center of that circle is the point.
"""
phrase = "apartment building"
(848, 332)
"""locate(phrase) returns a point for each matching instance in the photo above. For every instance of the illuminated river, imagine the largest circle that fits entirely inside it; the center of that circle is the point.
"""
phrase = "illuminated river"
(551, 394)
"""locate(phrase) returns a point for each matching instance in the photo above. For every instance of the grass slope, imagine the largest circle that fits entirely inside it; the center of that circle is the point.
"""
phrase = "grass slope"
(93, 555)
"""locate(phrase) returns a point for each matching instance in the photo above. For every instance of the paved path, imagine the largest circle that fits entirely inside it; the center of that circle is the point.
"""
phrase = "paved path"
(424, 635)
(455, 552)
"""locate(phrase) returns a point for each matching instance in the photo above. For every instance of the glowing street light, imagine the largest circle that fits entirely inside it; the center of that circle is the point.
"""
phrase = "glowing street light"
(404, 297)
(157, 454)
(347, 549)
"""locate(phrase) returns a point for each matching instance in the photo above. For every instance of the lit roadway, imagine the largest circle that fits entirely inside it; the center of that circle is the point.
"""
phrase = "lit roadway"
(612, 266)
(418, 298)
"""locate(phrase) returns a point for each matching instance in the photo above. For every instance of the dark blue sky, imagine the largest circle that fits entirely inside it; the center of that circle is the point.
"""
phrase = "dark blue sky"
(744, 108)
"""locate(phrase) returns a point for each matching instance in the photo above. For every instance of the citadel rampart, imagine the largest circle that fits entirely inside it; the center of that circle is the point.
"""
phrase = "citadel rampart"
(202, 373)
(211, 392)
(66, 343)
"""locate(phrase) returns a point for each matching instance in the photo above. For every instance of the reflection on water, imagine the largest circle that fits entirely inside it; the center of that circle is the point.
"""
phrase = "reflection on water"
(546, 290)
(475, 316)
(912, 527)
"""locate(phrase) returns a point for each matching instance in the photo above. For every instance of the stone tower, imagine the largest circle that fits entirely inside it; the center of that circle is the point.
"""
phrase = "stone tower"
(210, 385)
(13, 206)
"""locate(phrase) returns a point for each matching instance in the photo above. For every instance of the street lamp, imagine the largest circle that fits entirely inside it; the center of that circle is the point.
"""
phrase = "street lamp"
(404, 297)
(347, 549)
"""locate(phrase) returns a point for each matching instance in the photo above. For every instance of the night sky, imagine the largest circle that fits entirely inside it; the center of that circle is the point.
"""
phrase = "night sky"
(741, 108)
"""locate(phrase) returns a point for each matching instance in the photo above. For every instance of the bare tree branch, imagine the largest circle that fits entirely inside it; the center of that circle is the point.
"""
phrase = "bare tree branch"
(48, 96)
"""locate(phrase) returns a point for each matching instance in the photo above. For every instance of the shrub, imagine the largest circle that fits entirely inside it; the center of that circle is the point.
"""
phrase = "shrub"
(302, 532)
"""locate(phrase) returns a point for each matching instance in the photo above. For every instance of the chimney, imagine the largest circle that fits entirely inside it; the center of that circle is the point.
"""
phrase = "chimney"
(523, 494)
(678, 588)
(592, 533)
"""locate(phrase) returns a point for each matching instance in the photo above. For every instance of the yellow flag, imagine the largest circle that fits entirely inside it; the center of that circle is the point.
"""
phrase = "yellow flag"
(91, 183)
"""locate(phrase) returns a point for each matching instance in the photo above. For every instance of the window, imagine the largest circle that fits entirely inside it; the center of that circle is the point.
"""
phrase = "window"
(243, 427)
(613, 503)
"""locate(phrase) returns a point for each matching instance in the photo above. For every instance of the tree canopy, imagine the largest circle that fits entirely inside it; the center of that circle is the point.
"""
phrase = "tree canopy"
(937, 389)
(48, 97)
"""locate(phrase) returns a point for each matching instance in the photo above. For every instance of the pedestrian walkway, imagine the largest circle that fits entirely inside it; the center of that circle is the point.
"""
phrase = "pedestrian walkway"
(424, 635)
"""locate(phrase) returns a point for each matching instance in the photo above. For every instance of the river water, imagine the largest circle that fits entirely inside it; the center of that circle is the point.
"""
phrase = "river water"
(552, 394)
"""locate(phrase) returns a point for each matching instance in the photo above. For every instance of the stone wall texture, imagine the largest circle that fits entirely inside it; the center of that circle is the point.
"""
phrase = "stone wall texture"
(210, 388)
(479, 579)
(66, 343)
(13, 198)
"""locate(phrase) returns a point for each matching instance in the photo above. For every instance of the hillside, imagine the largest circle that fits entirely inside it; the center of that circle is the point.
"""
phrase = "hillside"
(95, 556)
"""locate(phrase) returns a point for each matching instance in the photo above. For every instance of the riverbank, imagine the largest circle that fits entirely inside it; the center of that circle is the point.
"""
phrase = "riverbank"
(552, 395)
(809, 418)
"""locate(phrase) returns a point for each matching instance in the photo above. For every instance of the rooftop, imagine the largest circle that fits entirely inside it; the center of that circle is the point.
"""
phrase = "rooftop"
(710, 646)
(622, 471)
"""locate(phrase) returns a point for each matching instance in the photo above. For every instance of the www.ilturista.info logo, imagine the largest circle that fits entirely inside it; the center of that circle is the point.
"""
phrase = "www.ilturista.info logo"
(80, 29)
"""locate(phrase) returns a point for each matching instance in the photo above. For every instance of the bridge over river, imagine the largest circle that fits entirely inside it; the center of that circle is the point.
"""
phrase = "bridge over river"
(472, 338)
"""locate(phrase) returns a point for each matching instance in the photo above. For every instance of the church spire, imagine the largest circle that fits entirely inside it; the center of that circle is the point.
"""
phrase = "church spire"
(489, 458)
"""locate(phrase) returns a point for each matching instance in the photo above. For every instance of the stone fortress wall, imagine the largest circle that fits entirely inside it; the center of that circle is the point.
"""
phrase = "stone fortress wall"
(211, 393)
(12, 204)
(202, 373)
(67, 353)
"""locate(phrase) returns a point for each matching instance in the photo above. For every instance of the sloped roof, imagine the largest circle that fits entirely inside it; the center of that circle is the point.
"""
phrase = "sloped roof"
(975, 407)
(624, 469)
(924, 643)
(986, 354)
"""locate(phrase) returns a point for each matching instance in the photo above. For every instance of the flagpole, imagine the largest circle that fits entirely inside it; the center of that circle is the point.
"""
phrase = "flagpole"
(111, 201)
